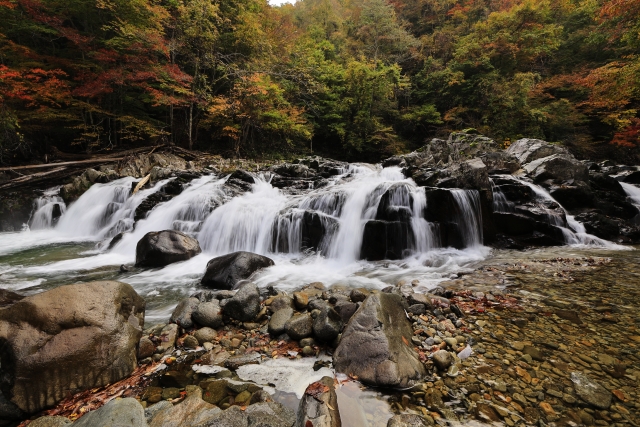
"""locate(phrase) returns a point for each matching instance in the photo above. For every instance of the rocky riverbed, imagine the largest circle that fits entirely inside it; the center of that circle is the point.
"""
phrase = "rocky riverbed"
(548, 337)
(458, 284)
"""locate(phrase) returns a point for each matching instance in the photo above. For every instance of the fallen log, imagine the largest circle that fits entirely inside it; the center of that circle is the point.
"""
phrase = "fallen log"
(51, 165)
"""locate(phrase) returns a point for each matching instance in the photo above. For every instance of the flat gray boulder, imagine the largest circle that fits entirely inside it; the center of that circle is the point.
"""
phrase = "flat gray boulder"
(562, 167)
(66, 340)
(375, 346)
(117, 413)
(160, 248)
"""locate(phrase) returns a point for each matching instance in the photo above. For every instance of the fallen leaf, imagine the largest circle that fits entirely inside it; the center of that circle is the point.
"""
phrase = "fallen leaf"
(404, 340)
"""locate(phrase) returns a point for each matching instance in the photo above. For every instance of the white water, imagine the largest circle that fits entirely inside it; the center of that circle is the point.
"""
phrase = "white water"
(633, 193)
(265, 220)
(42, 217)
(254, 221)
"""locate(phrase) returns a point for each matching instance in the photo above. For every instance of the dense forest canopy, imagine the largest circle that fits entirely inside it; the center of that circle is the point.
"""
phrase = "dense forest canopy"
(353, 79)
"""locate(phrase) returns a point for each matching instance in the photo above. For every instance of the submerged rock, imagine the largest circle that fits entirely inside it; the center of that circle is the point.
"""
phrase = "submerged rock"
(375, 345)
(319, 405)
(226, 271)
(160, 248)
(82, 336)
(590, 391)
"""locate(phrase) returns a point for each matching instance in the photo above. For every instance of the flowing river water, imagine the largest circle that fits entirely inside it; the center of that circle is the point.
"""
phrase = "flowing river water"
(267, 220)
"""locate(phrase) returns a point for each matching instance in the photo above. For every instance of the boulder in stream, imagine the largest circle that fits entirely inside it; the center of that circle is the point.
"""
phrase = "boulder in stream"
(160, 248)
(376, 345)
(224, 272)
(66, 340)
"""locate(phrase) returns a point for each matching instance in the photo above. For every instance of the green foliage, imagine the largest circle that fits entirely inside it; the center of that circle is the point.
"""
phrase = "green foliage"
(357, 79)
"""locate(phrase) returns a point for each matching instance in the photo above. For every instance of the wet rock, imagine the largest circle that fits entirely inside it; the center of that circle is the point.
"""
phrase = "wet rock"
(190, 342)
(319, 405)
(234, 362)
(327, 324)
(205, 334)
(226, 271)
(590, 391)
(486, 413)
(97, 323)
(270, 414)
(281, 301)
(146, 348)
(152, 410)
(301, 300)
(408, 420)
(182, 314)
(573, 196)
(192, 411)
(299, 326)
(245, 304)
(160, 248)
(7, 297)
(243, 175)
(375, 344)
(214, 391)
(536, 354)
(345, 309)
(168, 337)
(386, 240)
(278, 321)
(50, 422)
(118, 412)
(442, 359)
(359, 294)
(208, 314)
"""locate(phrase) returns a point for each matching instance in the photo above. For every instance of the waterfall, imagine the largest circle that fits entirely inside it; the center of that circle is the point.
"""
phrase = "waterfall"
(469, 216)
(185, 212)
(500, 201)
(245, 222)
(105, 210)
(47, 209)
(573, 230)
(633, 193)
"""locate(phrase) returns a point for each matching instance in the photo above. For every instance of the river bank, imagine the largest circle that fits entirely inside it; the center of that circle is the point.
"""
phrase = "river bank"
(537, 323)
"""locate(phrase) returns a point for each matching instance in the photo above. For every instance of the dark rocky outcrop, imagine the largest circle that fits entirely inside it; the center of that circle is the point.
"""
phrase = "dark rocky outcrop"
(375, 344)
(82, 336)
(386, 240)
(160, 248)
(226, 271)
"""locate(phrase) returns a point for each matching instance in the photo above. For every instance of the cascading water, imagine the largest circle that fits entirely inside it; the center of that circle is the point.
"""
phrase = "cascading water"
(573, 230)
(633, 193)
(47, 210)
(469, 217)
(500, 201)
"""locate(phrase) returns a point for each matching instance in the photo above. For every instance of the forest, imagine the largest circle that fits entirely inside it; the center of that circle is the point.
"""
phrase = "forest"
(350, 79)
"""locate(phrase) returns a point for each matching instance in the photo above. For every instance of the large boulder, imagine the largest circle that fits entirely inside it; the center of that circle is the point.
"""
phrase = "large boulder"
(224, 272)
(66, 340)
(527, 150)
(160, 248)
(375, 345)
(562, 167)
(117, 413)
